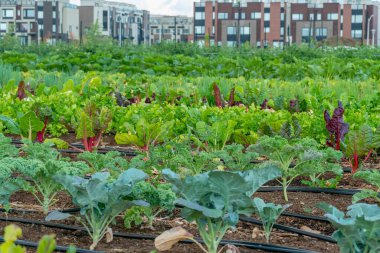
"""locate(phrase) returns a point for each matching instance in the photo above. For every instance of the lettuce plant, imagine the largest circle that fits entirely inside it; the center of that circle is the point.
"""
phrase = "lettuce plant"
(359, 230)
(100, 200)
(296, 157)
(268, 213)
(216, 199)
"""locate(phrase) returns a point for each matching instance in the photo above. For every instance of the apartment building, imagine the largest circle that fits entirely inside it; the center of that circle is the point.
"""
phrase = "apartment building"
(274, 23)
(35, 21)
(171, 28)
(121, 21)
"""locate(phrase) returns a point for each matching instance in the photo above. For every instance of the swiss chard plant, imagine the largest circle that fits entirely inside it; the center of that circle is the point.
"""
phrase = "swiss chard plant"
(145, 133)
(27, 125)
(268, 213)
(44, 114)
(92, 124)
(100, 200)
(160, 198)
(373, 178)
(216, 199)
(336, 127)
(359, 145)
(358, 231)
(296, 157)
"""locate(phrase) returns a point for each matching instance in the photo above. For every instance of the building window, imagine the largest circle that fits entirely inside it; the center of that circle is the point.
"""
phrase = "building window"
(22, 27)
(256, 15)
(266, 16)
(213, 29)
(54, 14)
(321, 32)
(282, 31)
(243, 15)
(297, 16)
(357, 34)
(267, 30)
(105, 20)
(199, 30)
(158, 31)
(231, 30)
(54, 28)
(357, 19)
(200, 15)
(244, 30)
(231, 43)
(40, 14)
(213, 15)
(312, 16)
(282, 16)
(307, 32)
(222, 15)
(3, 27)
(186, 31)
(8, 13)
(28, 13)
(332, 16)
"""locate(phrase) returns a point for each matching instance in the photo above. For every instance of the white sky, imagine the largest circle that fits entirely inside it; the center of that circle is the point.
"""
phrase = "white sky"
(165, 7)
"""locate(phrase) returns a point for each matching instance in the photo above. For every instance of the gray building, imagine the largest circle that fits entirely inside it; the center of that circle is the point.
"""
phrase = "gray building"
(121, 21)
(35, 21)
(171, 28)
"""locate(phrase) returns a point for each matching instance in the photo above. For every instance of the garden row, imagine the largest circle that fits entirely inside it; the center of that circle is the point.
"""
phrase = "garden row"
(213, 199)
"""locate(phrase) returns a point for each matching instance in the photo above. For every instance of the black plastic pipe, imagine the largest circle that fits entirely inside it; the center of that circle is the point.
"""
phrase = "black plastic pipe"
(310, 189)
(305, 217)
(251, 245)
(292, 230)
(30, 244)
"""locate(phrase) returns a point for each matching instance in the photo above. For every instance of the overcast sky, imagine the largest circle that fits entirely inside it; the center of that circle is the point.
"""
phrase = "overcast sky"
(165, 7)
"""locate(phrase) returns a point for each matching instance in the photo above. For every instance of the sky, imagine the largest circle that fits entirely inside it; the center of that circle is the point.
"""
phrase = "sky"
(165, 7)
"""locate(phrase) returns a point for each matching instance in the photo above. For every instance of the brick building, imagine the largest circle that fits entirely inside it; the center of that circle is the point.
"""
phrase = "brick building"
(262, 23)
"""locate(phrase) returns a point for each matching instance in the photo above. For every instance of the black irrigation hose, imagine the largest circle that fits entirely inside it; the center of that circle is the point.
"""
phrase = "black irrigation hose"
(305, 217)
(310, 189)
(16, 210)
(292, 230)
(57, 248)
(251, 245)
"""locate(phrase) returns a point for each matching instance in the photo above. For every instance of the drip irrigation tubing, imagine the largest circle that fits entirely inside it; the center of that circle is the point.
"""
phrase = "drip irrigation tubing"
(251, 245)
(17, 210)
(305, 217)
(311, 189)
(292, 230)
(30, 244)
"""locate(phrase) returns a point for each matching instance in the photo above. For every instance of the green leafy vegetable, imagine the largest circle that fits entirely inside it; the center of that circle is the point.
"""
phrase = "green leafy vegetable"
(372, 177)
(100, 199)
(268, 213)
(360, 231)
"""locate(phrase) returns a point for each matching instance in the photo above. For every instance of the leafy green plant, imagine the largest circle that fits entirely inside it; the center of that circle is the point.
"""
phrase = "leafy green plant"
(358, 231)
(27, 125)
(216, 199)
(145, 133)
(373, 178)
(296, 157)
(213, 136)
(47, 243)
(360, 144)
(41, 165)
(92, 123)
(160, 198)
(268, 213)
(100, 200)
(235, 158)
(112, 161)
